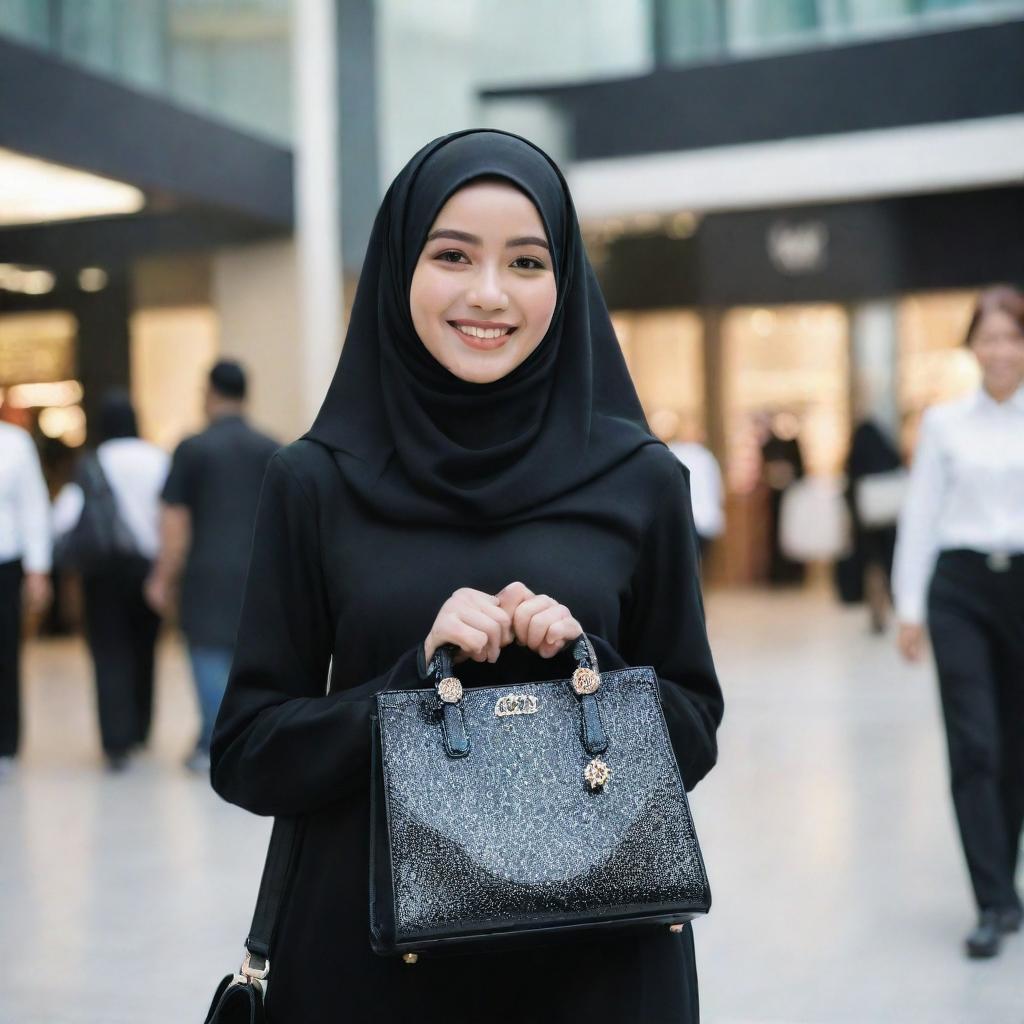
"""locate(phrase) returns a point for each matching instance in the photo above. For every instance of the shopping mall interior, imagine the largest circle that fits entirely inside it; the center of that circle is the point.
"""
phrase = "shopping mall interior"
(769, 260)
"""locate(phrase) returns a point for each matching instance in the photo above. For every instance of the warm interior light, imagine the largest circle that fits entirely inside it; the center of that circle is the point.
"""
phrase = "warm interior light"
(66, 423)
(92, 279)
(52, 393)
(33, 191)
(26, 280)
(682, 224)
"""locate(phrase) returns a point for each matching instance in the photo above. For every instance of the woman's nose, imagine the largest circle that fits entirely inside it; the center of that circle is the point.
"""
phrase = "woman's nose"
(487, 292)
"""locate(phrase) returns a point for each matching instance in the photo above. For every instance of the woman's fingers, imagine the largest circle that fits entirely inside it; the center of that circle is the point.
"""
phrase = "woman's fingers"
(502, 618)
(544, 625)
(481, 624)
(510, 599)
(542, 621)
(523, 615)
(451, 629)
(489, 627)
(558, 635)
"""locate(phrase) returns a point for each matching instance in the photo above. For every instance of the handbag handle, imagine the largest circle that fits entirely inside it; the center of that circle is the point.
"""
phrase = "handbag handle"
(586, 680)
(441, 665)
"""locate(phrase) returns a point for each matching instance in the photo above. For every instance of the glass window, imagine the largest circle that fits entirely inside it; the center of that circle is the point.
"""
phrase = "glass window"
(433, 59)
(665, 355)
(696, 30)
(753, 24)
(227, 58)
(790, 363)
(28, 21)
(693, 30)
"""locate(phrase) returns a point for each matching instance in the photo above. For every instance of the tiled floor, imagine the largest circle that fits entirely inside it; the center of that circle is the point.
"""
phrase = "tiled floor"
(839, 892)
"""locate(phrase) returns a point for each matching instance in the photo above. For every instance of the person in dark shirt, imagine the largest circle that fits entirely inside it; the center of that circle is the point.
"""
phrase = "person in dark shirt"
(209, 509)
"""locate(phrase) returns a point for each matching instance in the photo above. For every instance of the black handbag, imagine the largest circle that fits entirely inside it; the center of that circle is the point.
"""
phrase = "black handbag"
(239, 997)
(528, 812)
(101, 533)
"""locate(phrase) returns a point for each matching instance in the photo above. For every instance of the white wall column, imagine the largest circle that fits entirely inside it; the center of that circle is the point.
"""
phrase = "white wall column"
(317, 198)
(874, 330)
(255, 291)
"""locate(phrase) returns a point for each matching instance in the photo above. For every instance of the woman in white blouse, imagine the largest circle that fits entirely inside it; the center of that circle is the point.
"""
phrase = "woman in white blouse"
(960, 565)
(120, 627)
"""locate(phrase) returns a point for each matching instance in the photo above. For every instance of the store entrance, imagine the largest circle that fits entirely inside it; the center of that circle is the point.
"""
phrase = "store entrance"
(786, 412)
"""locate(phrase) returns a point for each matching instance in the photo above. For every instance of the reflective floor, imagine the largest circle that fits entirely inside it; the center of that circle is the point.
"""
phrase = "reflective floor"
(839, 890)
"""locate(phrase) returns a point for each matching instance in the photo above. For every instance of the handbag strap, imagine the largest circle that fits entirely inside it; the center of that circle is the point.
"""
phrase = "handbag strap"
(281, 854)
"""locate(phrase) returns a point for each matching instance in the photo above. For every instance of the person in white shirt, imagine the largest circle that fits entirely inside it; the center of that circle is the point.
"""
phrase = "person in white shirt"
(25, 552)
(705, 490)
(960, 564)
(120, 627)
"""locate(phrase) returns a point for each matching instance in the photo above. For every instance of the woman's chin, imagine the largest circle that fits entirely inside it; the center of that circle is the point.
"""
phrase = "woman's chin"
(481, 367)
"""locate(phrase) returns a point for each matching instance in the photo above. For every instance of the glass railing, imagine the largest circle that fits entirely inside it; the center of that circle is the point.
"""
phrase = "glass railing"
(693, 31)
(229, 59)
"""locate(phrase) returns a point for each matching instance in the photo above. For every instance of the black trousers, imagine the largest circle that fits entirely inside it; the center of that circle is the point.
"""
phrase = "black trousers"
(10, 656)
(121, 631)
(976, 621)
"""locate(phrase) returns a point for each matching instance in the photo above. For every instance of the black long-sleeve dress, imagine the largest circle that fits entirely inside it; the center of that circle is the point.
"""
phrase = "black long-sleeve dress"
(330, 579)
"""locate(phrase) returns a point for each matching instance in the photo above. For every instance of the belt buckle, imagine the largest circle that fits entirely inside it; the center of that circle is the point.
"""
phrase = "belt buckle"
(998, 561)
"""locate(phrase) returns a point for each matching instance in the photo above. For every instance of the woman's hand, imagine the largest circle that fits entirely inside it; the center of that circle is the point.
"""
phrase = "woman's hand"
(911, 640)
(538, 621)
(475, 622)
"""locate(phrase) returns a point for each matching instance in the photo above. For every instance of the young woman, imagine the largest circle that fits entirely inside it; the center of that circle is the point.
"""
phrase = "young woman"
(481, 474)
(966, 506)
(120, 627)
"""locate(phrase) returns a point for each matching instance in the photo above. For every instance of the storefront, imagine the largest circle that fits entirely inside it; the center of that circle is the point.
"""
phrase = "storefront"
(799, 322)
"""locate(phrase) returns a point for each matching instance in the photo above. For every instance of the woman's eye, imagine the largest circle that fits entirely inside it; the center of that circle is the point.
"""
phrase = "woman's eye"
(527, 263)
(451, 256)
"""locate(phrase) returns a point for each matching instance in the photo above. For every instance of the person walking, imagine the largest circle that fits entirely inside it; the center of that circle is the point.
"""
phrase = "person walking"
(960, 559)
(209, 507)
(25, 555)
(782, 466)
(480, 474)
(122, 482)
(872, 458)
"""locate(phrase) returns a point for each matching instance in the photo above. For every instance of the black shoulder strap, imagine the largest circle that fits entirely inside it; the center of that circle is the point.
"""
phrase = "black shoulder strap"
(281, 856)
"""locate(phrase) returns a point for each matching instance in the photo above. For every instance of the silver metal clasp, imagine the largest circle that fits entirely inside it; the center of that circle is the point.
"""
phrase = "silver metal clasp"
(998, 561)
(247, 973)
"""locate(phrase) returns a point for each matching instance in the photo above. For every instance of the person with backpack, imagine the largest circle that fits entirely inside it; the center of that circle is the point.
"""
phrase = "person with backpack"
(108, 522)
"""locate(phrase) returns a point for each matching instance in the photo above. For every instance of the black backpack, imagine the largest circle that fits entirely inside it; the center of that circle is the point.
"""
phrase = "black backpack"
(101, 535)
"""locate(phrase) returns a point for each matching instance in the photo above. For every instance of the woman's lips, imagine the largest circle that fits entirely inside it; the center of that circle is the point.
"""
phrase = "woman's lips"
(482, 344)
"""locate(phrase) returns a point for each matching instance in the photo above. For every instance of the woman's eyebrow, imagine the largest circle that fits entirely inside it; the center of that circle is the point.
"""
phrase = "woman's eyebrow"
(513, 243)
(465, 236)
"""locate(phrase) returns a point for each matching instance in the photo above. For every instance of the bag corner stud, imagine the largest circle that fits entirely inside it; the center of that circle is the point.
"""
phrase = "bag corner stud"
(597, 774)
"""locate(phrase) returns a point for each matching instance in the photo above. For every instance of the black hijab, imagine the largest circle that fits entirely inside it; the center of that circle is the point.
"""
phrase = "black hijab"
(417, 443)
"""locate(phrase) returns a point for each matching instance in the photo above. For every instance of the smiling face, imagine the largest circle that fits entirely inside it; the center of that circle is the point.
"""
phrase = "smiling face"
(483, 291)
(998, 343)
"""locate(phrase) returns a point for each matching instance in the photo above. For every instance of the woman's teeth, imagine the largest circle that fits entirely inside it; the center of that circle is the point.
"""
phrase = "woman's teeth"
(482, 332)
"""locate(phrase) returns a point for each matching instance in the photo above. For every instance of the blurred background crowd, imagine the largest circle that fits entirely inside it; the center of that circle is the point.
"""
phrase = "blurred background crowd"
(792, 207)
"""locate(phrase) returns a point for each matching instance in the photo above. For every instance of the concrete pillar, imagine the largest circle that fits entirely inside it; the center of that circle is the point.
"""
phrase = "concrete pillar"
(874, 333)
(317, 191)
(255, 291)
